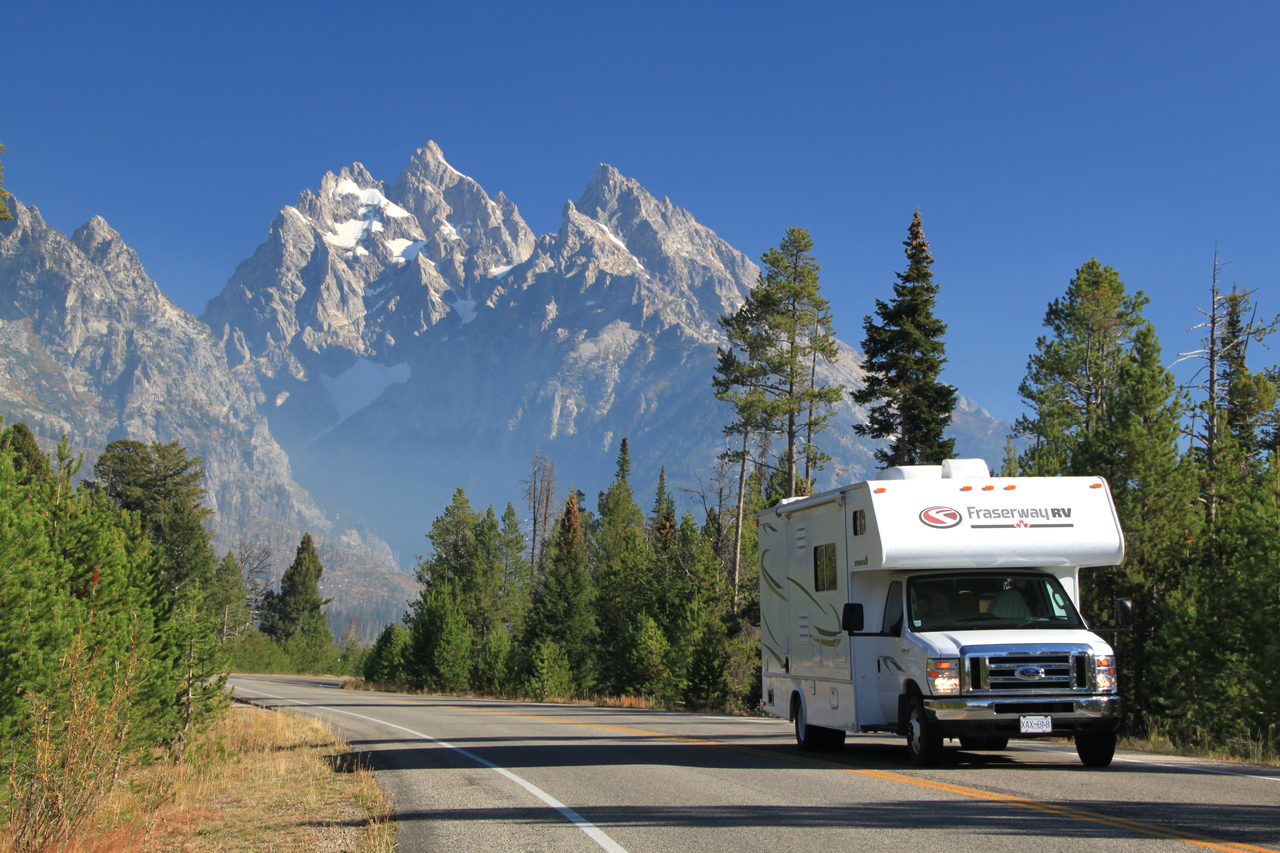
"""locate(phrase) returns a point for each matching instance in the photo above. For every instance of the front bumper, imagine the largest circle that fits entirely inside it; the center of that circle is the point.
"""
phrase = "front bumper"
(997, 716)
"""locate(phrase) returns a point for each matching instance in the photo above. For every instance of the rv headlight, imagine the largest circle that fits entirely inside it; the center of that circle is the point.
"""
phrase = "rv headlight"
(1105, 677)
(944, 676)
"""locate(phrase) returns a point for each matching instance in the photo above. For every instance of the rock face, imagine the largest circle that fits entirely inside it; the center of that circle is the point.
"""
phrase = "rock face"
(408, 339)
(90, 348)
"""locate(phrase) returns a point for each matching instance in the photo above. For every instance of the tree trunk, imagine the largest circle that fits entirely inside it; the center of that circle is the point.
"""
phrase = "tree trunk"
(737, 535)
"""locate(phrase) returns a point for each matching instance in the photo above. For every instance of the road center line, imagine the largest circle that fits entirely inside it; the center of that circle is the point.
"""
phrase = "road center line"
(593, 832)
(946, 787)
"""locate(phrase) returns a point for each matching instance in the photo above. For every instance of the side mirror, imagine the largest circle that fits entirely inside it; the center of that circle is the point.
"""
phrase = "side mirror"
(851, 618)
(1124, 612)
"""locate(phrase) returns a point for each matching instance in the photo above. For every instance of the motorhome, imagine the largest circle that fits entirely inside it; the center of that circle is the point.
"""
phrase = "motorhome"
(939, 602)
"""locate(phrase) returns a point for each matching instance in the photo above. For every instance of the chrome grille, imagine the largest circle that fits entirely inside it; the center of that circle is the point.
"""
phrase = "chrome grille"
(1056, 670)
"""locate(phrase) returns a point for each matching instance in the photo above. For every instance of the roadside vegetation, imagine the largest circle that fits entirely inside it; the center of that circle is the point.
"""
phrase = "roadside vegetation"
(258, 780)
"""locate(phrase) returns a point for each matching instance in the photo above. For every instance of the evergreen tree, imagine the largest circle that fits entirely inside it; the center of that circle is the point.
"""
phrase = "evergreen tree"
(563, 601)
(297, 610)
(453, 543)
(227, 600)
(440, 640)
(619, 560)
(1072, 377)
(550, 674)
(782, 331)
(166, 489)
(517, 575)
(904, 355)
(481, 582)
(492, 664)
(388, 656)
(1136, 447)
(31, 463)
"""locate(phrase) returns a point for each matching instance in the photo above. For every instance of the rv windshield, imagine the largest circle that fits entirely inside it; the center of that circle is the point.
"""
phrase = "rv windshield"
(981, 601)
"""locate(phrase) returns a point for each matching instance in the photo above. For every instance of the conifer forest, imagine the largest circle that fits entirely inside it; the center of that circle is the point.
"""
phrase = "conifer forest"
(119, 622)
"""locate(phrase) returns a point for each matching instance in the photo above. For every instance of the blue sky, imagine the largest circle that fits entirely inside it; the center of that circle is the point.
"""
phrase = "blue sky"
(1032, 136)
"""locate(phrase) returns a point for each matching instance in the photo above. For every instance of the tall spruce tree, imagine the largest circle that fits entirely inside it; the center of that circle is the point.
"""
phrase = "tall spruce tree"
(297, 610)
(619, 560)
(562, 609)
(904, 354)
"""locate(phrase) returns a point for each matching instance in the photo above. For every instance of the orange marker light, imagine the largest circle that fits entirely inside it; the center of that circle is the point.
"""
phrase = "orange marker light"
(880, 490)
(1010, 488)
(1095, 485)
(966, 488)
(988, 488)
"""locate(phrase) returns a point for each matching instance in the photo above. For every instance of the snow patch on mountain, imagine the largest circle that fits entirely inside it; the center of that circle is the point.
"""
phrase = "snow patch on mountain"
(371, 198)
(361, 384)
(403, 250)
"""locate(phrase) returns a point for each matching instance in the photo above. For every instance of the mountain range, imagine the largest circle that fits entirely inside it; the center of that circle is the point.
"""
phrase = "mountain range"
(389, 343)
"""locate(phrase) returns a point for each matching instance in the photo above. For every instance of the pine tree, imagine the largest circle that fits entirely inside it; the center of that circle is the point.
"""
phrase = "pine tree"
(481, 582)
(562, 609)
(903, 357)
(226, 599)
(31, 462)
(782, 331)
(1072, 377)
(453, 544)
(516, 572)
(167, 490)
(1136, 446)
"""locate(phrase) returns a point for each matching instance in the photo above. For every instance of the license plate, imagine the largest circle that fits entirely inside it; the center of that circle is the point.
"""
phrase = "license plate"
(1036, 725)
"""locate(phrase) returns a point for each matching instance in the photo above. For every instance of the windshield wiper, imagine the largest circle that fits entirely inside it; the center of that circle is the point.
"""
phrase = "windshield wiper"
(1031, 622)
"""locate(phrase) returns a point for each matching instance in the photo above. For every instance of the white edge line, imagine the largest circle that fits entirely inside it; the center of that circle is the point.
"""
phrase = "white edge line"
(1192, 767)
(593, 832)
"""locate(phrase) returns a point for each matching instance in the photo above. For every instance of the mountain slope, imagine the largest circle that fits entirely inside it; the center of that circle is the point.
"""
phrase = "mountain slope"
(407, 339)
(90, 348)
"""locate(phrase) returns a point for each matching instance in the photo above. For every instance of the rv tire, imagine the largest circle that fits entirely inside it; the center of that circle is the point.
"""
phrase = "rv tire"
(1096, 750)
(812, 738)
(924, 747)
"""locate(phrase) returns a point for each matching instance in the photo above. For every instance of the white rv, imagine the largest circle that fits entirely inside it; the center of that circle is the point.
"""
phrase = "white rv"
(940, 602)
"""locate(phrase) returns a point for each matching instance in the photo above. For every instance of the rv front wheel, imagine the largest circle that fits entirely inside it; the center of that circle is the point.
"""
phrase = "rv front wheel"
(924, 748)
(1096, 750)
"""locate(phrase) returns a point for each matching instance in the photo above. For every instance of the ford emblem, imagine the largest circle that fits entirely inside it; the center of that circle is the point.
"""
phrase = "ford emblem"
(1030, 673)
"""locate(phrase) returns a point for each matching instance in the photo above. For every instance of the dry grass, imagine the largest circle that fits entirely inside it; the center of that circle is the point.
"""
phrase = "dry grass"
(1246, 750)
(262, 780)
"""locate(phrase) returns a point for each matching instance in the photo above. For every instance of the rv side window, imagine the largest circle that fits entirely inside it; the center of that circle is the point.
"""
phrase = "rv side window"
(859, 522)
(824, 567)
(892, 623)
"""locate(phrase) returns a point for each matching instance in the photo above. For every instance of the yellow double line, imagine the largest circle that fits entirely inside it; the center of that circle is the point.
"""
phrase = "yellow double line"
(945, 787)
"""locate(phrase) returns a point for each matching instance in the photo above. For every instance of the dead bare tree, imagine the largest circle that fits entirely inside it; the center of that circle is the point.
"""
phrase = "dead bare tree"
(540, 494)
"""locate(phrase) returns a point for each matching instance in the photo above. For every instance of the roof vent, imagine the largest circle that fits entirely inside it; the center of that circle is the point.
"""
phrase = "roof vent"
(911, 472)
(965, 469)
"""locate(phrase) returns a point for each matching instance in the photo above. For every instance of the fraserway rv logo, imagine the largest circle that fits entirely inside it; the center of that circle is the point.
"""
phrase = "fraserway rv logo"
(940, 516)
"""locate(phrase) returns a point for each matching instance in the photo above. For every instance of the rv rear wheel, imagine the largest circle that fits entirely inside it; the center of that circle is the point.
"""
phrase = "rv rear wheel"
(977, 742)
(1096, 750)
(812, 738)
(924, 748)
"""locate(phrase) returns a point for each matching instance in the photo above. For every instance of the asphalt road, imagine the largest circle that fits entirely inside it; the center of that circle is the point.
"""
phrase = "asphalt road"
(467, 774)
